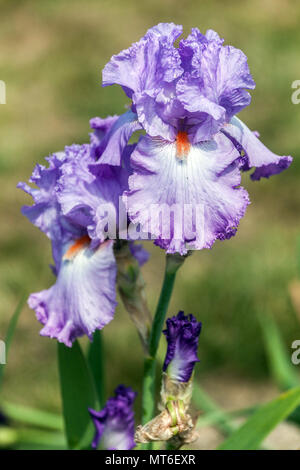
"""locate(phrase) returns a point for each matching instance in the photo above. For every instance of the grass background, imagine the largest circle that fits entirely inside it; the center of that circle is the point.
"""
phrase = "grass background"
(51, 56)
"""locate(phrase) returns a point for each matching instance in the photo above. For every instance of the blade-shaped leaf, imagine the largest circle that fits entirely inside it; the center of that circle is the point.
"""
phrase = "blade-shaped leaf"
(40, 440)
(252, 433)
(78, 394)
(10, 333)
(282, 370)
(31, 416)
(204, 403)
(95, 360)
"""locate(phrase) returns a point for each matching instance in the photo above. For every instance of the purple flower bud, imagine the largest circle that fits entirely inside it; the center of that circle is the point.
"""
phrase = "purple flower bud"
(115, 422)
(182, 335)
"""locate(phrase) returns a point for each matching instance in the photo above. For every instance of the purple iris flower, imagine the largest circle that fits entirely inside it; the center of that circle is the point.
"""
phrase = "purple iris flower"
(67, 208)
(115, 422)
(186, 99)
(182, 334)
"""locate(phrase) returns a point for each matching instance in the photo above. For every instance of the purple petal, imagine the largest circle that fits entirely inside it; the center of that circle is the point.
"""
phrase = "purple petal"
(147, 62)
(273, 169)
(214, 85)
(139, 252)
(257, 155)
(112, 146)
(182, 334)
(83, 194)
(101, 128)
(83, 297)
(46, 213)
(115, 422)
(145, 71)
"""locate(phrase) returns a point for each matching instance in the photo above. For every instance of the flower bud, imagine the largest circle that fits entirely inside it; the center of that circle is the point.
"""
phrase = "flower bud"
(131, 287)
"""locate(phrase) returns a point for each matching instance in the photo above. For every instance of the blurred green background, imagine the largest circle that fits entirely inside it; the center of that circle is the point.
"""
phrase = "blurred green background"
(51, 56)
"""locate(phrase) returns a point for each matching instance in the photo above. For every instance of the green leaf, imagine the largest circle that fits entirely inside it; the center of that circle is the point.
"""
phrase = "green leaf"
(78, 394)
(37, 439)
(282, 370)
(95, 360)
(251, 434)
(10, 333)
(298, 255)
(31, 416)
(204, 403)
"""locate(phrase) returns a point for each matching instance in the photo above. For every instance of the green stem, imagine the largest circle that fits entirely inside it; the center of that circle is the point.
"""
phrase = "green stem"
(148, 399)
(173, 262)
(161, 311)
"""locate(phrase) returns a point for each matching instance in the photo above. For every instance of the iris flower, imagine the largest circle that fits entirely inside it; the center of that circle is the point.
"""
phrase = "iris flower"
(194, 148)
(67, 208)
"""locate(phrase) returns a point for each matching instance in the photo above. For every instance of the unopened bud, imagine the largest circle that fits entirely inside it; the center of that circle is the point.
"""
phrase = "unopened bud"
(131, 287)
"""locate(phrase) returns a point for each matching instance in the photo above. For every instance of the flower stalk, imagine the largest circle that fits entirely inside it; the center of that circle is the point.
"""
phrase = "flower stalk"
(173, 263)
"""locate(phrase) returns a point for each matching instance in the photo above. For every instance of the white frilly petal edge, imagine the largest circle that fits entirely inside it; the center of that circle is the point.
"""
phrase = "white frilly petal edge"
(83, 298)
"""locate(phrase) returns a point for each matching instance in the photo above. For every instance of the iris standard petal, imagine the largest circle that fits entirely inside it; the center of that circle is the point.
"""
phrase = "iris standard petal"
(113, 145)
(148, 61)
(101, 127)
(83, 194)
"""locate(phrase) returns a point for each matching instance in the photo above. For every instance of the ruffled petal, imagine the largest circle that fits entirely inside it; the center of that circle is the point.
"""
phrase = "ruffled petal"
(157, 114)
(186, 203)
(147, 62)
(215, 81)
(114, 424)
(146, 71)
(101, 127)
(257, 154)
(182, 334)
(112, 146)
(44, 213)
(86, 197)
(83, 298)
